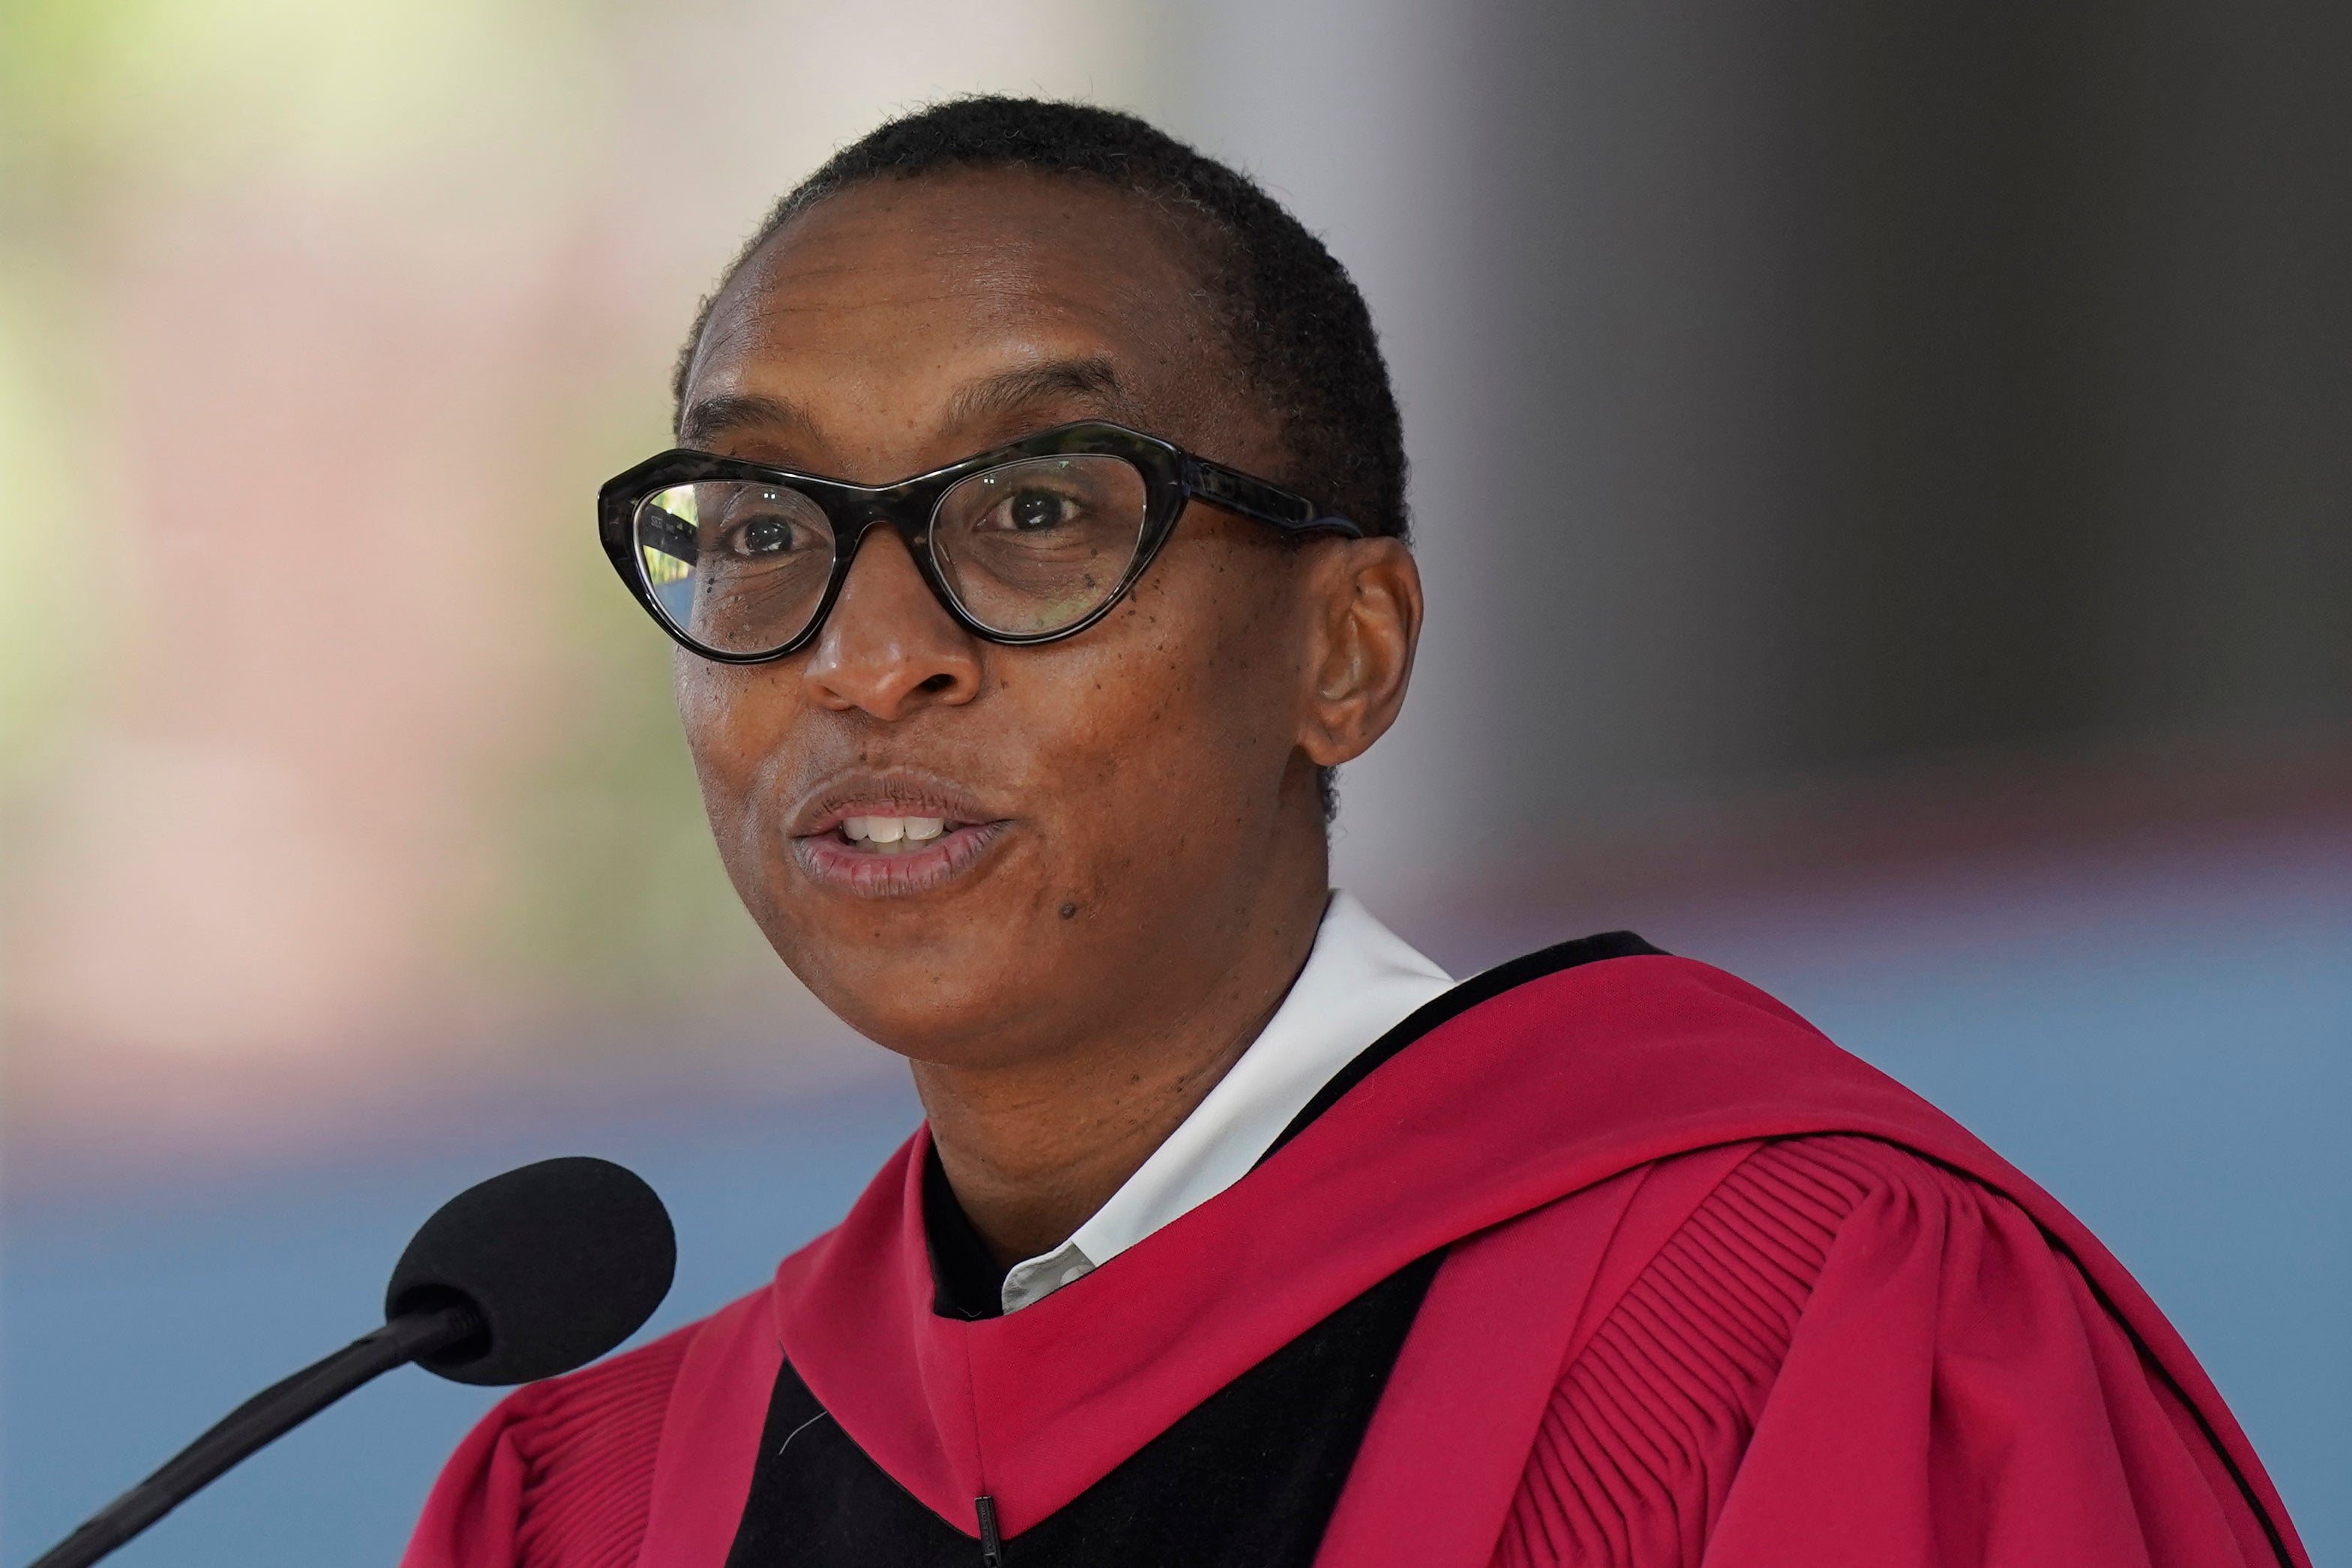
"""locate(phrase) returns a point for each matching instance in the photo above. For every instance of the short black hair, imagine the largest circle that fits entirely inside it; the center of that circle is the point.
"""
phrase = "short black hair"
(1297, 323)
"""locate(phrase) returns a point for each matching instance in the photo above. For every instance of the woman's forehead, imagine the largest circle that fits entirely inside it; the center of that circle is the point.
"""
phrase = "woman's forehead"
(945, 253)
(889, 302)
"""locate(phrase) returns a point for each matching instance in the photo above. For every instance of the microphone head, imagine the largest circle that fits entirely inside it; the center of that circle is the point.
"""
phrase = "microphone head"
(564, 1259)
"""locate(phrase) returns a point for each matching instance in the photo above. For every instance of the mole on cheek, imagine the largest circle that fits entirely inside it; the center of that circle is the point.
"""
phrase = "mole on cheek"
(1069, 912)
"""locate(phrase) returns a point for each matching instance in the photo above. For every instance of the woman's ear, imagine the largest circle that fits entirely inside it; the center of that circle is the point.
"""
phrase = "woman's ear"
(1365, 605)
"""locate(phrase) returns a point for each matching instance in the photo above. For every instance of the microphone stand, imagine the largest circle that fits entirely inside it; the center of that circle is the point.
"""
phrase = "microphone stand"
(269, 1415)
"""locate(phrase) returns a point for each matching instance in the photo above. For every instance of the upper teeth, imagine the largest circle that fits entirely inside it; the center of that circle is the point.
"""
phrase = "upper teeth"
(890, 829)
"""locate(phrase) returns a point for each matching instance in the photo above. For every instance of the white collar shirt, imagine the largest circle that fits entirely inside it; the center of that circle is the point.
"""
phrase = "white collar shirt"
(1361, 980)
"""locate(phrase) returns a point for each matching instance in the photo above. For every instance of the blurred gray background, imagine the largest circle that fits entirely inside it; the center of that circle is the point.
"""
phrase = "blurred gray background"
(1881, 473)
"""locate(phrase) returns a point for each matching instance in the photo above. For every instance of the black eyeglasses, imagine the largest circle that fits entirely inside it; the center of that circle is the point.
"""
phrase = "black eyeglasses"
(1031, 542)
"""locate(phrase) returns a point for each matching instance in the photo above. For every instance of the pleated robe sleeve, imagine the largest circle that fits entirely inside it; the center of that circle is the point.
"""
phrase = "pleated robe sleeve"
(559, 1474)
(1850, 1355)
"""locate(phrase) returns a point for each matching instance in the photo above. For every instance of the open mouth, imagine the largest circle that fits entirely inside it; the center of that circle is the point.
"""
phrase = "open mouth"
(895, 835)
(873, 851)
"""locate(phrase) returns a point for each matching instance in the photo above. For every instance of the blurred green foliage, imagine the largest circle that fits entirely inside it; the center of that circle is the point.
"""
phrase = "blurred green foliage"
(613, 889)
(597, 877)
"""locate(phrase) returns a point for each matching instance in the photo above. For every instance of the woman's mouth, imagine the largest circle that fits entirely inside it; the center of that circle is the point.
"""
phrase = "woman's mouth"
(880, 854)
(895, 835)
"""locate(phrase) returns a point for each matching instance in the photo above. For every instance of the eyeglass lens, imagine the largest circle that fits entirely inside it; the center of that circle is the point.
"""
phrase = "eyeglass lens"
(1026, 548)
(738, 567)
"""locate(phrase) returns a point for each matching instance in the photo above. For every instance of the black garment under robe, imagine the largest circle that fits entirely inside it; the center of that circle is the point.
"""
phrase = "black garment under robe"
(1248, 1479)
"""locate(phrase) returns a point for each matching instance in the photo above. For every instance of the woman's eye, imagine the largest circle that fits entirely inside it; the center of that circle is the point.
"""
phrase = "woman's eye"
(763, 535)
(1032, 510)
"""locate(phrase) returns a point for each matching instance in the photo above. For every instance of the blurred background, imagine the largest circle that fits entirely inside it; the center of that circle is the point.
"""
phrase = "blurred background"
(1884, 476)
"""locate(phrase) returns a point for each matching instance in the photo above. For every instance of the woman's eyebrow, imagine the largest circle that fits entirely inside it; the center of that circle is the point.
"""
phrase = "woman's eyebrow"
(728, 413)
(1067, 387)
(1090, 383)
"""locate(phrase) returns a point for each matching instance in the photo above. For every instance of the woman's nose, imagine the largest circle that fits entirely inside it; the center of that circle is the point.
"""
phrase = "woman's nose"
(890, 647)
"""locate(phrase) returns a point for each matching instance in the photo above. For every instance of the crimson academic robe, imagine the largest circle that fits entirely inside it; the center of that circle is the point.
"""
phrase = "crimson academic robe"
(1681, 1283)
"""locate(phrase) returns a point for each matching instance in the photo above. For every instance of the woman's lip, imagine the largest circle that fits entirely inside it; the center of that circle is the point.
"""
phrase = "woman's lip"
(832, 862)
(831, 817)
(884, 797)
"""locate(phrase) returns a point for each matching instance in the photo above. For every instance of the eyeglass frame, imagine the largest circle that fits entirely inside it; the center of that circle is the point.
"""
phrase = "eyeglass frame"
(1172, 478)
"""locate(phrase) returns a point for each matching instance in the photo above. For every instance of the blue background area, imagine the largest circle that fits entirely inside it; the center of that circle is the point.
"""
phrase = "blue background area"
(2178, 1072)
(127, 1332)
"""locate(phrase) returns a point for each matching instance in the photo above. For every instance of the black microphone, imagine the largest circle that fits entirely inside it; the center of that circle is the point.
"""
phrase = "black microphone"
(526, 1276)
